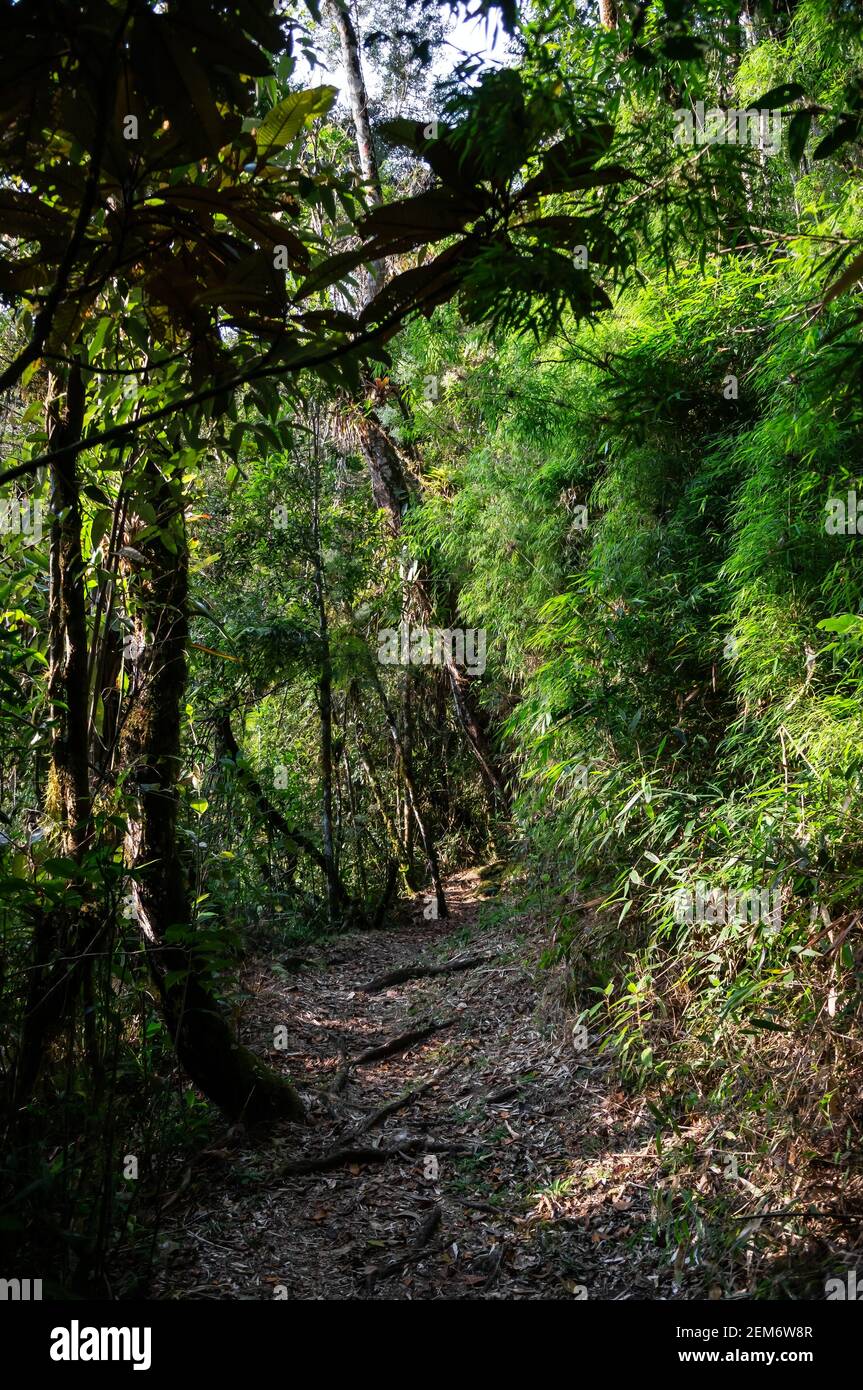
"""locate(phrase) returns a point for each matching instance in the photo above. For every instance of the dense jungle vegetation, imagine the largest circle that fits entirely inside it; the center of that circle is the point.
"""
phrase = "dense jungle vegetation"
(429, 467)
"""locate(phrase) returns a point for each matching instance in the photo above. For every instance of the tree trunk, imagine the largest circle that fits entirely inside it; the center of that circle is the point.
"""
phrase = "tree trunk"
(391, 489)
(402, 857)
(413, 798)
(63, 936)
(231, 1076)
(408, 726)
(391, 492)
(475, 730)
(357, 97)
(106, 651)
(390, 485)
(325, 708)
(69, 782)
(352, 808)
(608, 14)
(358, 101)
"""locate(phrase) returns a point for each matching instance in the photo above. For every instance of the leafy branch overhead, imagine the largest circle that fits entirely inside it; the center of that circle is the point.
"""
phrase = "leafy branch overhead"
(194, 221)
(512, 267)
(152, 212)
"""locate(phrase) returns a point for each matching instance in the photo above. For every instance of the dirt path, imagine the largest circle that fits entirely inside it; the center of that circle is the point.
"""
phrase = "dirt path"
(517, 1174)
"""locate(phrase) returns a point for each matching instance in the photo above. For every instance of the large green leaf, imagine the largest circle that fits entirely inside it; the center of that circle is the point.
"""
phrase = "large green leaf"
(798, 134)
(602, 245)
(429, 216)
(176, 83)
(332, 270)
(281, 125)
(571, 157)
(237, 204)
(577, 179)
(422, 288)
(779, 96)
(26, 215)
(847, 129)
(455, 166)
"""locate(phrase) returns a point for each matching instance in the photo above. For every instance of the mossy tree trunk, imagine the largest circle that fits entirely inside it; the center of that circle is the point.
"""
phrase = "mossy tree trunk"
(65, 935)
(228, 1074)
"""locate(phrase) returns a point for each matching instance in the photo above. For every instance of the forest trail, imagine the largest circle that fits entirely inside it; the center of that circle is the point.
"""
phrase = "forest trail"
(518, 1173)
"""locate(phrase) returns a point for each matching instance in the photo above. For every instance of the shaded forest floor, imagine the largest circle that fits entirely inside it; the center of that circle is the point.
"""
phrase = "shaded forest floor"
(518, 1168)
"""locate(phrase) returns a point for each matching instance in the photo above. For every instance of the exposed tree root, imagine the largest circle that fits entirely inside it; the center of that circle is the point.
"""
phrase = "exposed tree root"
(417, 1250)
(384, 1111)
(420, 972)
(340, 1080)
(337, 1158)
(402, 1042)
